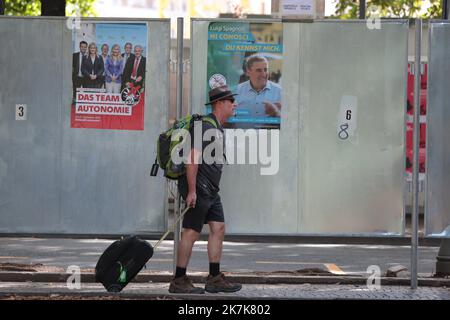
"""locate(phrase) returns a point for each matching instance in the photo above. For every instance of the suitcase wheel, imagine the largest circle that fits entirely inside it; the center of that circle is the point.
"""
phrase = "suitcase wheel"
(114, 288)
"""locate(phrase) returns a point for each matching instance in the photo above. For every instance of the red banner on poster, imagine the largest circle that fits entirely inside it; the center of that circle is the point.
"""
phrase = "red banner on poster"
(94, 108)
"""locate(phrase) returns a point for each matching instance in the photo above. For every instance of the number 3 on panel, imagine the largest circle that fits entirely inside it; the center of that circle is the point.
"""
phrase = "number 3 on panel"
(21, 112)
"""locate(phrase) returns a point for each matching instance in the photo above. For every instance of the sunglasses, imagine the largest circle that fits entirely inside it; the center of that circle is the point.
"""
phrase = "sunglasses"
(229, 99)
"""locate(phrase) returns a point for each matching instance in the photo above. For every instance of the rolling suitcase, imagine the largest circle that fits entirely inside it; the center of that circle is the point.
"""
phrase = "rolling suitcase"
(123, 260)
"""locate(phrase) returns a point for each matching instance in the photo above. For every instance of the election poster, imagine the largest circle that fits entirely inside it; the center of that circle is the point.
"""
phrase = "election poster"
(108, 75)
(248, 58)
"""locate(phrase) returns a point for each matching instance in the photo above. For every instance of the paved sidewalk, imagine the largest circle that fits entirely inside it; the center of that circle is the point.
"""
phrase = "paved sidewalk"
(249, 291)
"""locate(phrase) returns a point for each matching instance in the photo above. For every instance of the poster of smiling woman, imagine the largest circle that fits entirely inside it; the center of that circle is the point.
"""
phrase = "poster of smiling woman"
(108, 76)
(248, 58)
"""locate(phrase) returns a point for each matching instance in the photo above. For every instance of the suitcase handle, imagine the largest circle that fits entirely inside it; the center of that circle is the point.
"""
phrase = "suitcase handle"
(170, 229)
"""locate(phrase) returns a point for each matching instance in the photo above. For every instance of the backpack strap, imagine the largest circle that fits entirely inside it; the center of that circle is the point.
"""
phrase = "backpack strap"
(210, 120)
(214, 123)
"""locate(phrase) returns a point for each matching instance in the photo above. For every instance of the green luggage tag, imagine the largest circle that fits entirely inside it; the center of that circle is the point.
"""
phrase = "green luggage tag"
(122, 273)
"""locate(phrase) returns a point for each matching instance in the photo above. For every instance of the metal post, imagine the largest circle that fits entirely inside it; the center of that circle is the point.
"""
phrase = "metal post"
(362, 9)
(445, 9)
(443, 256)
(180, 32)
(275, 7)
(177, 228)
(415, 178)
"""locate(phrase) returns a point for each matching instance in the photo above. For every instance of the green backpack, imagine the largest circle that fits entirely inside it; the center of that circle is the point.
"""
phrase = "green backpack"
(170, 139)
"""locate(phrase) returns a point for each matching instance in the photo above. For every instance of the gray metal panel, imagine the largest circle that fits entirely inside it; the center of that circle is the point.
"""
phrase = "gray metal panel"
(437, 202)
(253, 203)
(30, 63)
(352, 186)
(323, 61)
(56, 179)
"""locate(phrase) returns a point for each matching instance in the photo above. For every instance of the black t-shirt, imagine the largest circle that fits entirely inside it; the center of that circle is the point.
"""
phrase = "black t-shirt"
(208, 175)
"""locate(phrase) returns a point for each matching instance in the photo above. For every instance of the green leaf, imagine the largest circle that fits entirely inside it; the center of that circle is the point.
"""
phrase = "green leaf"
(349, 9)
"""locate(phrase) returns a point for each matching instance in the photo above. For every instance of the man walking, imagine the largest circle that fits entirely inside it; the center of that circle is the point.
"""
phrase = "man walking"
(200, 187)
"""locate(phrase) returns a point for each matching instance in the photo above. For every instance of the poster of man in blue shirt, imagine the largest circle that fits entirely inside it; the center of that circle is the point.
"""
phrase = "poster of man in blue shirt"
(248, 57)
(258, 97)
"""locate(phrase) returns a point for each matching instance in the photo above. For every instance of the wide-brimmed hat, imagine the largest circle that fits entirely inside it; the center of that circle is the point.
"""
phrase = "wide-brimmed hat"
(220, 93)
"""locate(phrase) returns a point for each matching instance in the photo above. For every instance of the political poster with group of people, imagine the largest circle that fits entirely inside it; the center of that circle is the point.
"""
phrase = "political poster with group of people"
(108, 76)
(248, 57)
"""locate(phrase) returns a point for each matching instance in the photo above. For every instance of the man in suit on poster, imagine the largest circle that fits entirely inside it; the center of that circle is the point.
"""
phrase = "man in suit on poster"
(77, 60)
(134, 71)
